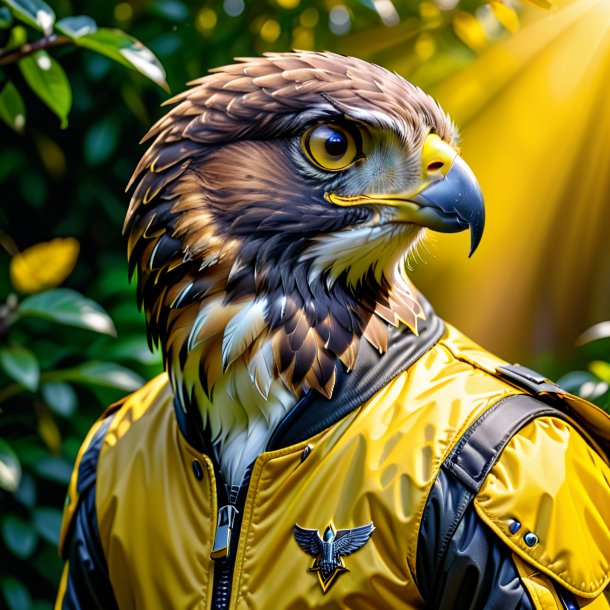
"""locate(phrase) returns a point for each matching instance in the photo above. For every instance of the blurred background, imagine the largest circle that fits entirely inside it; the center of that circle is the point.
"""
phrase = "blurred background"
(527, 83)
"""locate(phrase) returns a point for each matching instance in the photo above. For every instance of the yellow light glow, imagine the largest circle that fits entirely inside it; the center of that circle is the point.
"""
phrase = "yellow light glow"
(303, 38)
(270, 30)
(469, 30)
(429, 11)
(425, 46)
(506, 16)
(123, 11)
(206, 19)
(309, 18)
(534, 118)
(288, 4)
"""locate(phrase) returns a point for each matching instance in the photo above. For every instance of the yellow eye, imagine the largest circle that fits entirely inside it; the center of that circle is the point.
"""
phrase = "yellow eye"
(330, 147)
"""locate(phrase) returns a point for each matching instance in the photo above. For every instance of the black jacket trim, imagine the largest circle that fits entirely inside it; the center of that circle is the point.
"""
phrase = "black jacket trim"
(314, 413)
(527, 379)
(88, 586)
(448, 514)
(372, 372)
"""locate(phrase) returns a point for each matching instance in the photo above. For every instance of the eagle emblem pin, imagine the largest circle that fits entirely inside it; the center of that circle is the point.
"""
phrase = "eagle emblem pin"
(328, 551)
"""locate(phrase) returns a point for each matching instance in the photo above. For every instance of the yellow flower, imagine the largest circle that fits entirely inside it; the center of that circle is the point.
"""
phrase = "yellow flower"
(44, 265)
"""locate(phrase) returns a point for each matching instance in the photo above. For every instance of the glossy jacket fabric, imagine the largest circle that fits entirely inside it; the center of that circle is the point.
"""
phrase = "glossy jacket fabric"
(143, 502)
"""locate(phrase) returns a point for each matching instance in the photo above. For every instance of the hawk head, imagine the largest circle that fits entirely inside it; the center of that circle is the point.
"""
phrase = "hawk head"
(273, 212)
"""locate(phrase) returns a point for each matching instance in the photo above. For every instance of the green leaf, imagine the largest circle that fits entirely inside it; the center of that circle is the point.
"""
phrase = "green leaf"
(36, 13)
(47, 522)
(21, 365)
(6, 18)
(12, 108)
(174, 10)
(10, 468)
(103, 374)
(101, 141)
(75, 27)
(26, 492)
(47, 566)
(53, 469)
(583, 384)
(19, 536)
(66, 306)
(16, 595)
(18, 36)
(60, 397)
(49, 82)
(126, 50)
(133, 349)
(601, 369)
(596, 332)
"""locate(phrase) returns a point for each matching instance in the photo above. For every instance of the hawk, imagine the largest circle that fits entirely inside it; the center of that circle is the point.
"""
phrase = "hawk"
(271, 226)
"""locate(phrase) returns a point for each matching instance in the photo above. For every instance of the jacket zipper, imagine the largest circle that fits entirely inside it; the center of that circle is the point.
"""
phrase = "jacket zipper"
(226, 537)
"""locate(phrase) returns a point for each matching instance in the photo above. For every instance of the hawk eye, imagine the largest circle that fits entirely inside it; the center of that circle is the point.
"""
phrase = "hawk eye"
(330, 147)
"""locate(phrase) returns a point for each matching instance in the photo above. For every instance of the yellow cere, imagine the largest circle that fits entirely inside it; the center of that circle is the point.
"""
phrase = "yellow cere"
(437, 155)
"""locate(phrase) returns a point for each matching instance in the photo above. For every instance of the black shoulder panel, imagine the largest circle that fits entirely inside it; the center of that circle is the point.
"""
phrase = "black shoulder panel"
(457, 555)
(88, 586)
(476, 572)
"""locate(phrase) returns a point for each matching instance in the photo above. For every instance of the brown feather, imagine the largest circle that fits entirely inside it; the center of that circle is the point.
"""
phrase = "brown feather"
(376, 333)
(213, 137)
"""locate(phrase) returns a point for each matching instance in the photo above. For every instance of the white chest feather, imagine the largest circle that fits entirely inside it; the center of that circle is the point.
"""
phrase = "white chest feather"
(246, 400)
(241, 421)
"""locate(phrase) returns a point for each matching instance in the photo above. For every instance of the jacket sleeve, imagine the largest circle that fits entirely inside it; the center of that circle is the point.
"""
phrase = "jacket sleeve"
(536, 535)
(85, 583)
(471, 571)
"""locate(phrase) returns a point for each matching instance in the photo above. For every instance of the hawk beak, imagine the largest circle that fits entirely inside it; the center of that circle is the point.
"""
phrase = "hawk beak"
(447, 199)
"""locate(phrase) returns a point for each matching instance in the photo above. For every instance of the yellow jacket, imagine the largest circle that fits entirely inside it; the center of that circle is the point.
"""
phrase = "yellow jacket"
(142, 512)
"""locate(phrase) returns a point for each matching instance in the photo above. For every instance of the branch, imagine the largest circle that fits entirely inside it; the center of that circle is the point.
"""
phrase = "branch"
(13, 55)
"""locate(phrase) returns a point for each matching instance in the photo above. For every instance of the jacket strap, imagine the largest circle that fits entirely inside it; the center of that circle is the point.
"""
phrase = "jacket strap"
(464, 470)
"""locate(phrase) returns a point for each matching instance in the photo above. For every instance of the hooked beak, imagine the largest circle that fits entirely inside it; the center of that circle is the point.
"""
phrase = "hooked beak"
(448, 198)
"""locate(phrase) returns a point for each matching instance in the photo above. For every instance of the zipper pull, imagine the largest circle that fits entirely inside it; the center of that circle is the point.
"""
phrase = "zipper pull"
(224, 529)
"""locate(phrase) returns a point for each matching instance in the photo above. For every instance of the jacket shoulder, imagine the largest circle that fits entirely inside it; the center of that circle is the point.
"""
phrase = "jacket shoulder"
(548, 499)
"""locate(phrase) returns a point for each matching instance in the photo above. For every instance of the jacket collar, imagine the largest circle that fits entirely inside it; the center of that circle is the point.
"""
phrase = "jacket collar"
(313, 412)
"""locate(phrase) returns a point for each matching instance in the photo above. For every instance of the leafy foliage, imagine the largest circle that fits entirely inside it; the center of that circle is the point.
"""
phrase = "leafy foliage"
(42, 73)
(64, 356)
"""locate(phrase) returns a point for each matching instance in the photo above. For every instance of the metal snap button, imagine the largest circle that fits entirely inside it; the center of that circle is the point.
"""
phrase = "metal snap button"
(530, 539)
(514, 527)
(306, 452)
(197, 470)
